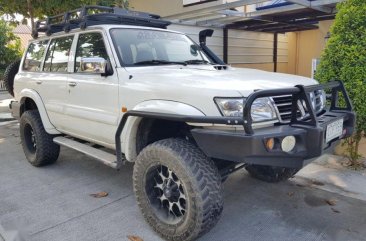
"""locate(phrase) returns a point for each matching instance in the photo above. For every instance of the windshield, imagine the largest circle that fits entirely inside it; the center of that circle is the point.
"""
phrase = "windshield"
(141, 47)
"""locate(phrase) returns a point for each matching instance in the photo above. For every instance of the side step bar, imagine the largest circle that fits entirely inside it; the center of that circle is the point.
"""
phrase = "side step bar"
(102, 156)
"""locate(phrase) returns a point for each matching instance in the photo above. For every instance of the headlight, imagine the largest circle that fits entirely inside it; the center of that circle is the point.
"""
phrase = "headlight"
(262, 108)
(318, 95)
(230, 107)
(323, 99)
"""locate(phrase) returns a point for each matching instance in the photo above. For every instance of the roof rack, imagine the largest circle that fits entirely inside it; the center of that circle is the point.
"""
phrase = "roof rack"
(96, 15)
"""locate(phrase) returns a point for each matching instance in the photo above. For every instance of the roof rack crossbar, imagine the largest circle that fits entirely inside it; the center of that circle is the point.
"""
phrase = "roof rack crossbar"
(96, 15)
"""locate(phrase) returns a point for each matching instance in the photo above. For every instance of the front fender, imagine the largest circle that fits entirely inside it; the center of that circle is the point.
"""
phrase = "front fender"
(32, 94)
(158, 106)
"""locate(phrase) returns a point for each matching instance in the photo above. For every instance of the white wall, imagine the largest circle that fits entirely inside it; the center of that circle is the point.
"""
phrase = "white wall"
(249, 47)
(282, 48)
(244, 47)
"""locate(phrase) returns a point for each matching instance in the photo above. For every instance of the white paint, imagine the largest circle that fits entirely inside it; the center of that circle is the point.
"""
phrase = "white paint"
(32, 94)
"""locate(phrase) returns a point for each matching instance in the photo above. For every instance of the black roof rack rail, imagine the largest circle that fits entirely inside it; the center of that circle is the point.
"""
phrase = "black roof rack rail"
(96, 15)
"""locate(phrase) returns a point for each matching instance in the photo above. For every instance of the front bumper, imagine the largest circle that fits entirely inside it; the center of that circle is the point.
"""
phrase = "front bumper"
(248, 146)
(310, 133)
(239, 146)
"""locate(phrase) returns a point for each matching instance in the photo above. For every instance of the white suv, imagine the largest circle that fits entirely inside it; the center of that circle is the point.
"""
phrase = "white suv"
(157, 98)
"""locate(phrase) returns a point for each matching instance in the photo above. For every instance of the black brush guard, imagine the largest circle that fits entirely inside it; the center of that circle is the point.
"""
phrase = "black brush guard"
(248, 146)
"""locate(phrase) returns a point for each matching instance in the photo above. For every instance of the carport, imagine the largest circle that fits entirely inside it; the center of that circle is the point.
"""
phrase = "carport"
(276, 17)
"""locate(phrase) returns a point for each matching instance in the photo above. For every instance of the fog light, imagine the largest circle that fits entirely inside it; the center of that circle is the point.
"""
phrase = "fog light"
(288, 143)
(270, 143)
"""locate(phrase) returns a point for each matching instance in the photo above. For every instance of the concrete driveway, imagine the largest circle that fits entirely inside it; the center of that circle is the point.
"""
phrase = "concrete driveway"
(53, 203)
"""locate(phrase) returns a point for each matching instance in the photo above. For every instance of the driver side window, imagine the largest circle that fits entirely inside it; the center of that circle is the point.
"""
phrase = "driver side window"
(89, 45)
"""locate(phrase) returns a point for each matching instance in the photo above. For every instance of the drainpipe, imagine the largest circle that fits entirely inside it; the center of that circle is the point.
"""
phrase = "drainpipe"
(275, 46)
(225, 45)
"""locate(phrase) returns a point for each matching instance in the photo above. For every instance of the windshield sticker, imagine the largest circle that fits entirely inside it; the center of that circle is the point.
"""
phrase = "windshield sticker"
(152, 35)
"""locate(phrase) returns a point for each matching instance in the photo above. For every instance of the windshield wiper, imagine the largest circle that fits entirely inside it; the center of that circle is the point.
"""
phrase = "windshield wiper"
(158, 61)
(196, 61)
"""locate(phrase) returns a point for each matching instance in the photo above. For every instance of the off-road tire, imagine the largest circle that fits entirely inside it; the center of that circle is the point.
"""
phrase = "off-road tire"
(46, 151)
(202, 187)
(9, 75)
(271, 174)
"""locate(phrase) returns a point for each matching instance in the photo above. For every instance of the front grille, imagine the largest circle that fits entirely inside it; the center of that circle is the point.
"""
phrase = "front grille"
(283, 104)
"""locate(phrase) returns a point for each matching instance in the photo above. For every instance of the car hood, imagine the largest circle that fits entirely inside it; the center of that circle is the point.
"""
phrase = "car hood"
(228, 82)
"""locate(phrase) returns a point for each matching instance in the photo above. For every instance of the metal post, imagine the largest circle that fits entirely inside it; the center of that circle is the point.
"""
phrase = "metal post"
(275, 45)
(225, 50)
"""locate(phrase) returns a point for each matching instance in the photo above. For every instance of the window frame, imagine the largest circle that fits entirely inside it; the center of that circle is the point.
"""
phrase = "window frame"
(119, 58)
(73, 35)
(75, 46)
(42, 59)
(112, 55)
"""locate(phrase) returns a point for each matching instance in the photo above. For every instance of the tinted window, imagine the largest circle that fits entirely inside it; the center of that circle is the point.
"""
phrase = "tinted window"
(89, 45)
(58, 55)
(33, 58)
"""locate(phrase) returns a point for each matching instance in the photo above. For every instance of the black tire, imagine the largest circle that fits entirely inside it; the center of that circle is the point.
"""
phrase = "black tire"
(270, 173)
(38, 146)
(9, 75)
(199, 181)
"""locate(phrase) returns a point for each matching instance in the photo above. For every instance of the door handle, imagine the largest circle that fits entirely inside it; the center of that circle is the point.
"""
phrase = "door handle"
(39, 82)
(73, 84)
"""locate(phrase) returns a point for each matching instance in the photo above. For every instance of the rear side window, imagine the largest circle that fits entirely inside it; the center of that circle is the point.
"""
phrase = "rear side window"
(58, 55)
(34, 56)
(89, 45)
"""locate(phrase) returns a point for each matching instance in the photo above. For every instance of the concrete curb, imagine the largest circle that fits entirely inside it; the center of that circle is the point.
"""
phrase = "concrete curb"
(327, 173)
(4, 107)
(6, 116)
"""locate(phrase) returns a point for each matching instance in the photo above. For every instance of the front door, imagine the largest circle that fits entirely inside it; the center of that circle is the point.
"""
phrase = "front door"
(92, 110)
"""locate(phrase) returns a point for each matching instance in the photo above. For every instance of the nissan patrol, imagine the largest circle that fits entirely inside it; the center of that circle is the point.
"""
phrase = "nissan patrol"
(152, 96)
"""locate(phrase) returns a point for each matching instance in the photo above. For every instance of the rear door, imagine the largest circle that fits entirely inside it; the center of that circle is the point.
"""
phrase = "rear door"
(30, 75)
(52, 85)
(92, 110)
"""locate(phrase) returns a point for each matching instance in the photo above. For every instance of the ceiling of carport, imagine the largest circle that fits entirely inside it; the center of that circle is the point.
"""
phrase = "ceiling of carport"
(286, 16)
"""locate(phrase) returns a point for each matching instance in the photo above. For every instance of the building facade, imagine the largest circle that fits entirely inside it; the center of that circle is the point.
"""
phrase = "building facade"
(295, 50)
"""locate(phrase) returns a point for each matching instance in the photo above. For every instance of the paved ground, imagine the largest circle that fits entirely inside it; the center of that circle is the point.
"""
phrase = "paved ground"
(53, 203)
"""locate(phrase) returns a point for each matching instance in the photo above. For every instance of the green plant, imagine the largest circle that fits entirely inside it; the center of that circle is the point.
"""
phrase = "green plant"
(122, 4)
(345, 59)
(2, 74)
(32, 9)
(10, 47)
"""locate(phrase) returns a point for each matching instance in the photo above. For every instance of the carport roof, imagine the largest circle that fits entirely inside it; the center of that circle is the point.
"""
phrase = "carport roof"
(273, 17)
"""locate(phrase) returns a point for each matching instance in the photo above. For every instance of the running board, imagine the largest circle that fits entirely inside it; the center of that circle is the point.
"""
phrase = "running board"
(102, 156)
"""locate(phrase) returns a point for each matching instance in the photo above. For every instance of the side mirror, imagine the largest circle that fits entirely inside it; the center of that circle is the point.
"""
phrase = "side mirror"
(97, 65)
(194, 49)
